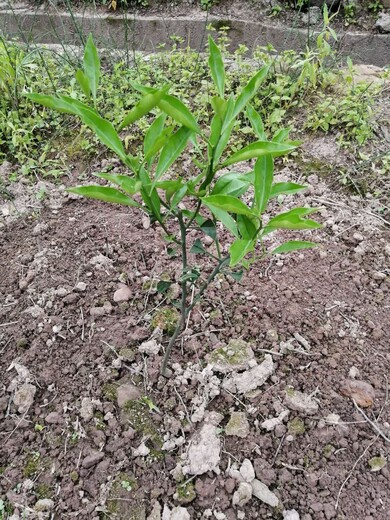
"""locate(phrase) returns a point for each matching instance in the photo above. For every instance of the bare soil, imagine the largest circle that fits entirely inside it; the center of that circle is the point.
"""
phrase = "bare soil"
(61, 260)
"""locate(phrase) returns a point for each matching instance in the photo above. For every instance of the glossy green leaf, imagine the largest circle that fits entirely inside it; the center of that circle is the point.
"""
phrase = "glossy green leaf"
(247, 227)
(163, 286)
(215, 134)
(227, 203)
(226, 219)
(104, 193)
(150, 195)
(285, 188)
(142, 88)
(91, 64)
(264, 176)
(250, 90)
(293, 219)
(232, 184)
(293, 245)
(239, 249)
(153, 133)
(281, 135)
(82, 80)
(217, 67)
(127, 184)
(197, 248)
(256, 122)
(174, 108)
(178, 196)
(236, 275)
(159, 143)
(144, 106)
(258, 149)
(174, 146)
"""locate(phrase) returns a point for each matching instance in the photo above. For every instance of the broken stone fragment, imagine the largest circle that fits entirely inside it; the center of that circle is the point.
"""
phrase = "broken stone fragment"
(247, 471)
(270, 424)
(243, 494)
(155, 513)
(150, 347)
(301, 402)
(291, 514)
(24, 397)
(93, 459)
(233, 357)
(44, 504)
(204, 451)
(362, 393)
(263, 493)
(238, 425)
(250, 379)
(141, 451)
(177, 513)
(122, 294)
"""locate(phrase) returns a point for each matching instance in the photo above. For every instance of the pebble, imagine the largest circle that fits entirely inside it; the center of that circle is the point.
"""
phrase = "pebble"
(93, 459)
(80, 287)
(122, 294)
(290, 514)
(263, 493)
(301, 402)
(247, 471)
(243, 494)
(24, 397)
(53, 418)
(44, 504)
(238, 425)
(360, 391)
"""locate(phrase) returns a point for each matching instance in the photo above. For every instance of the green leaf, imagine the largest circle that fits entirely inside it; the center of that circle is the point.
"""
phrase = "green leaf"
(293, 245)
(197, 248)
(239, 249)
(246, 227)
(163, 286)
(250, 90)
(256, 122)
(104, 193)
(127, 184)
(236, 275)
(209, 229)
(215, 134)
(91, 64)
(232, 184)
(292, 220)
(285, 188)
(227, 203)
(179, 112)
(82, 80)
(172, 149)
(224, 217)
(281, 135)
(154, 132)
(144, 106)
(178, 196)
(258, 149)
(264, 176)
(217, 67)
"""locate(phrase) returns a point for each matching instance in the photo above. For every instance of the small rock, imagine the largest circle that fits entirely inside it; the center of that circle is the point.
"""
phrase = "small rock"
(142, 451)
(301, 402)
(44, 504)
(377, 463)
(238, 425)
(250, 379)
(155, 513)
(127, 392)
(361, 392)
(247, 471)
(24, 397)
(270, 424)
(290, 514)
(179, 513)
(243, 494)
(101, 311)
(53, 418)
(123, 294)
(150, 347)
(86, 409)
(204, 451)
(40, 228)
(377, 275)
(353, 372)
(383, 23)
(263, 493)
(92, 460)
(233, 357)
(80, 287)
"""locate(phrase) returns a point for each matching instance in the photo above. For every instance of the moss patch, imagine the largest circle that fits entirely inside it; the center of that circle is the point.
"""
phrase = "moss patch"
(141, 420)
(296, 426)
(110, 391)
(185, 493)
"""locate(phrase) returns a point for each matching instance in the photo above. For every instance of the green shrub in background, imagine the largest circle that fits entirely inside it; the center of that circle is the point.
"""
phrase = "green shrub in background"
(209, 197)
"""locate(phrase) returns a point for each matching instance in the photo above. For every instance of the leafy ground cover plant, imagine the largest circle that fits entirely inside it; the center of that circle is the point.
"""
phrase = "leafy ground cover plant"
(206, 200)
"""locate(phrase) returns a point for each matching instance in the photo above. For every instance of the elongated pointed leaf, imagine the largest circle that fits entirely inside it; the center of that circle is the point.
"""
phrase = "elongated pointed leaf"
(197, 248)
(285, 188)
(227, 203)
(150, 195)
(179, 112)
(92, 66)
(208, 227)
(264, 176)
(239, 249)
(231, 184)
(293, 245)
(82, 80)
(171, 151)
(159, 143)
(125, 182)
(142, 88)
(246, 227)
(281, 136)
(144, 106)
(215, 134)
(178, 196)
(217, 67)
(293, 219)
(258, 149)
(105, 194)
(256, 122)
(153, 133)
(250, 90)
(226, 219)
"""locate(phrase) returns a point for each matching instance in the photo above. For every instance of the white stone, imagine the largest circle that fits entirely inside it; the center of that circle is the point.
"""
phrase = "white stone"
(80, 287)
(243, 494)
(250, 379)
(122, 294)
(204, 451)
(247, 471)
(290, 514)
(270, 424)
(179, 513)
(150, 347)
(44, 504)
(24, 397)
(141, 451)
(155, 513)
(86, 409)
(263, 493)
(301, 402)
